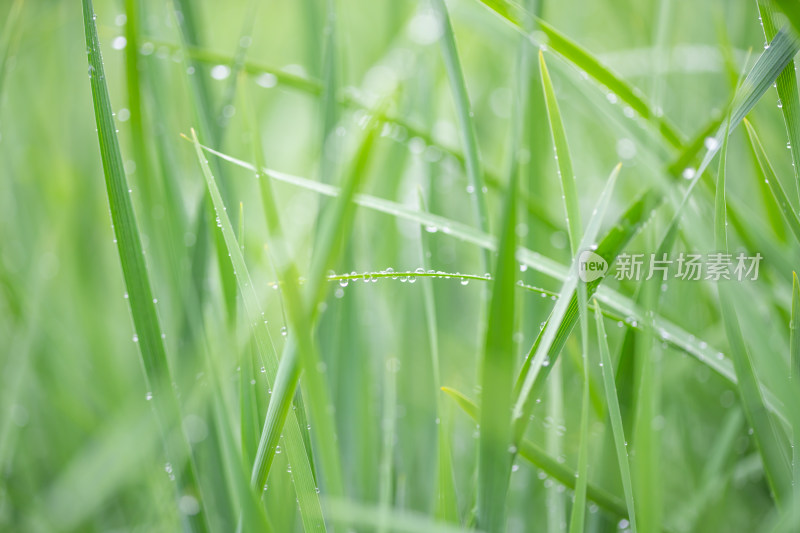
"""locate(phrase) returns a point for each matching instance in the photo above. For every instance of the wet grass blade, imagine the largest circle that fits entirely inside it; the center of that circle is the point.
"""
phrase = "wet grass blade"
(786, 84)
(620, 444)
(304, 481)
(148, 333)
(563, 158)
(773, 183)
(466, 123)
(794, 362)
(494, 459)
(776, 465)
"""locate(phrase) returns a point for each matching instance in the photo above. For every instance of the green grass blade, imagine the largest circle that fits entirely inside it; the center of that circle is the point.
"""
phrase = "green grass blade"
(563, 158)
(554, 323)
(776, 465)
(544, 461)
(578, 514)
(584, 60)
(140, 295)
(788, 96)
(446, 497)
(465, 120)
(794, 364)
(773, 183)
(494, 459)
(620, 444)
(305, 485)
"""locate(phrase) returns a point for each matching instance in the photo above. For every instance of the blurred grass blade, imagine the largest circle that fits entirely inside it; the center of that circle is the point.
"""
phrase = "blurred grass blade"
(9, 38)
(305, 486)
(620, 444)
(541, 459)
(578, 514)
(521, 19)
(497, 366)
(465, 120)
(137, 282)
(563, 158)
(794, 364)
(786, 84)
(557, 317)
(446, 497)
(776, 466)
(774, 184)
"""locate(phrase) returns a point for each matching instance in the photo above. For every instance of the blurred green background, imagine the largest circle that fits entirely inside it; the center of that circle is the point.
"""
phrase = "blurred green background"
(79, 448)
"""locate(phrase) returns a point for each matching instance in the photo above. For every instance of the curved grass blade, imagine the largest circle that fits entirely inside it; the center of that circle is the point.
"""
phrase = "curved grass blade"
(137, 282)
(620, 444)
(305, 486)
(544, 461)
(497, 366)
(629, 224)
(776, 465)
(772, 181)
(466, 123)
(563, 158)
(521, 19)
(786, 84)
(9, 38)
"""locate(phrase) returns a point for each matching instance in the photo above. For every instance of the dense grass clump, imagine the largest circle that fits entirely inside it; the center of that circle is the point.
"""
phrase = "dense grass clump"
(432, 266)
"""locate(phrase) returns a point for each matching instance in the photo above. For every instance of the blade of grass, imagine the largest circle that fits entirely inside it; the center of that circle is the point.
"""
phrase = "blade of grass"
(466, 123)
(786, 84)
(520, 19)
(578, 514)
(794, 364)
(620, 444)
(776, 466)
(446, 497)
(305, 486)
(494, 460)
(563, 158)
(772, 181)
(140, 296)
